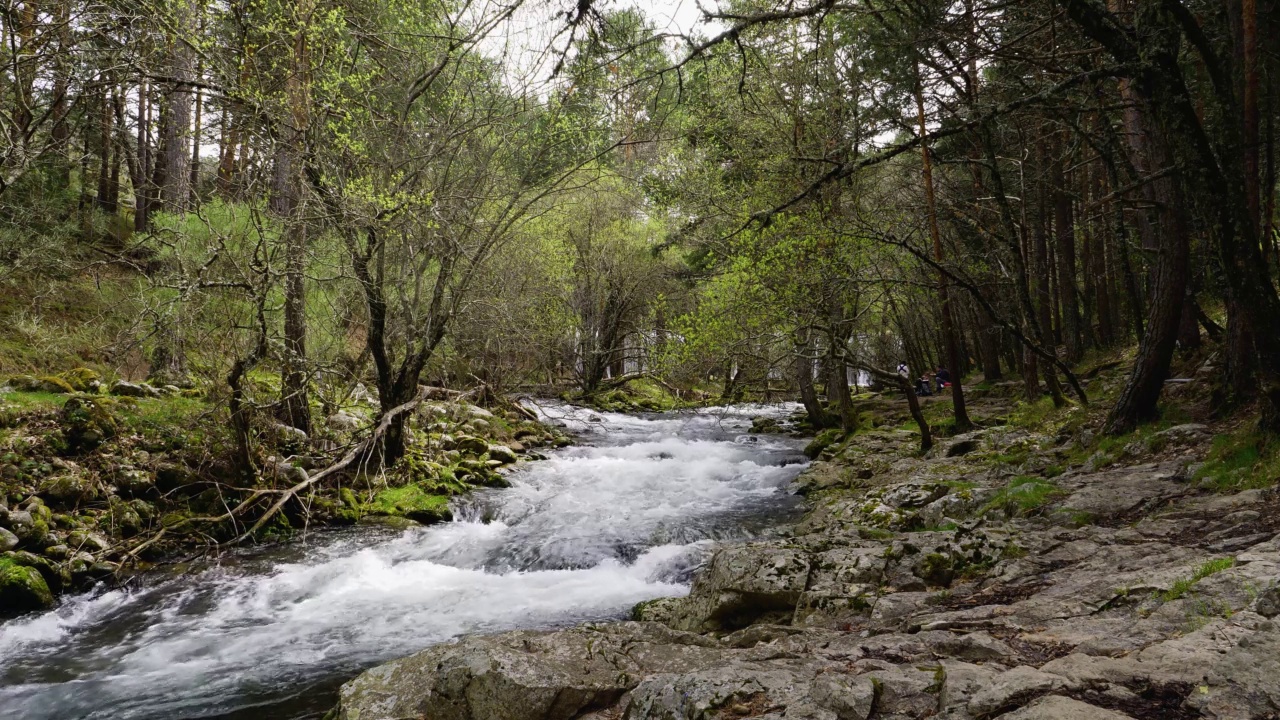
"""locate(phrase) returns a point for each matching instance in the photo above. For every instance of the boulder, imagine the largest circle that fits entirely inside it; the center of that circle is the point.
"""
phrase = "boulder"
(133, 483)
(83, 379)
(522, 675)
(22, 589)
(471, 445)
(70, 489)
(122, 388)
(344, 421)
(8, 540)
(88, 422)
(743, 584)
(502, 454)
(171, 476)
(87, 541)
(1268, 605)
(32, 531)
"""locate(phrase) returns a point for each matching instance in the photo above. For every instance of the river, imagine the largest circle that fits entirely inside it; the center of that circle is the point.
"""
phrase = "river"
(621, 517)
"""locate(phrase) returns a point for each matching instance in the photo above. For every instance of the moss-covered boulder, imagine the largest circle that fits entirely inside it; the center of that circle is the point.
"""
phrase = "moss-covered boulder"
(123, 518)
(22, 589)
(824, 440)
(502, 454)
(82, 379)
(410, 501)
(70, 489)
(24, 383)
(471, 445)
(88, 422)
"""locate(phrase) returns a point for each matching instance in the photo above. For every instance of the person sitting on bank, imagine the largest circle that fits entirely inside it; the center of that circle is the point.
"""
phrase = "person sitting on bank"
(922, 386)
(943, 378)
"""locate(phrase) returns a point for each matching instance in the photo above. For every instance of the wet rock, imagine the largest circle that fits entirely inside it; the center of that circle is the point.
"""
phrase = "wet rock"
(8, 540)
(122, 388)
(22, 589)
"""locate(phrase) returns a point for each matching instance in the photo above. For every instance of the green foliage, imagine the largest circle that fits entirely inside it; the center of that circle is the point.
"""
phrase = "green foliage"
(1240, 461)
(1023, 494)
(1182, 586)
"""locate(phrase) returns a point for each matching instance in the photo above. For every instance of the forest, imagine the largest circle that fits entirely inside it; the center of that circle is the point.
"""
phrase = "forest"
(276, 207)
(990, 285)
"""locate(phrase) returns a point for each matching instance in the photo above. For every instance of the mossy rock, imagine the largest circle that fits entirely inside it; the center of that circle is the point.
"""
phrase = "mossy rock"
(22, 588)
(936, 569)
(82, 379)
(88, 422)
(24, 383)
(824, 440)
(56, 385)
(413, 502)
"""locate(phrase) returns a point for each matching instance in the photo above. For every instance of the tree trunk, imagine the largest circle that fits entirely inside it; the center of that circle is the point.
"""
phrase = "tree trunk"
(804, 379)
(175, 190)
(1068, 295)
(142, 182)
(961, 415)
(1044, 296)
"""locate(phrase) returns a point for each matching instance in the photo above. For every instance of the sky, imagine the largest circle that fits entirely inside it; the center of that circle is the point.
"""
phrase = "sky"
(522, 42)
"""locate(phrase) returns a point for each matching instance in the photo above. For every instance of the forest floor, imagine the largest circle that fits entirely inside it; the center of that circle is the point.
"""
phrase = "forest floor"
(1030, 569)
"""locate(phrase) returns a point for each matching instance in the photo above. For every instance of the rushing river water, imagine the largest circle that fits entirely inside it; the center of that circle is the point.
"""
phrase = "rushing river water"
(623, 517)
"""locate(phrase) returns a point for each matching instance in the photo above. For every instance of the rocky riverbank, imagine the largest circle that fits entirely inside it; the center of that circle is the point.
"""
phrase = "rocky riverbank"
(101, 479)
(1009, 573)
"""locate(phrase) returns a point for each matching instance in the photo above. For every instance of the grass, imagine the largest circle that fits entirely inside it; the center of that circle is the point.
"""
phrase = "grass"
(1023, 495)
(1240, 461)
(1182, 586)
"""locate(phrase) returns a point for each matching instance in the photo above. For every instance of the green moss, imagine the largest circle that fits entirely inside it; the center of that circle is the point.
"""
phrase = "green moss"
(88, 422)
(82, 379)
(1023, 495)
(824, 440)
(410, 501)
(1240, 461)
(22, 588)
(1182, 586)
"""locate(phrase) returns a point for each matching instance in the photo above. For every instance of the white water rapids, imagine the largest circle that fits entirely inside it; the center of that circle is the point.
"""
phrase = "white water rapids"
(584, 535)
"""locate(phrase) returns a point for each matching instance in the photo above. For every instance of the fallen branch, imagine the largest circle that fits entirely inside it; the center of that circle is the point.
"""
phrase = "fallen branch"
(356, 453)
